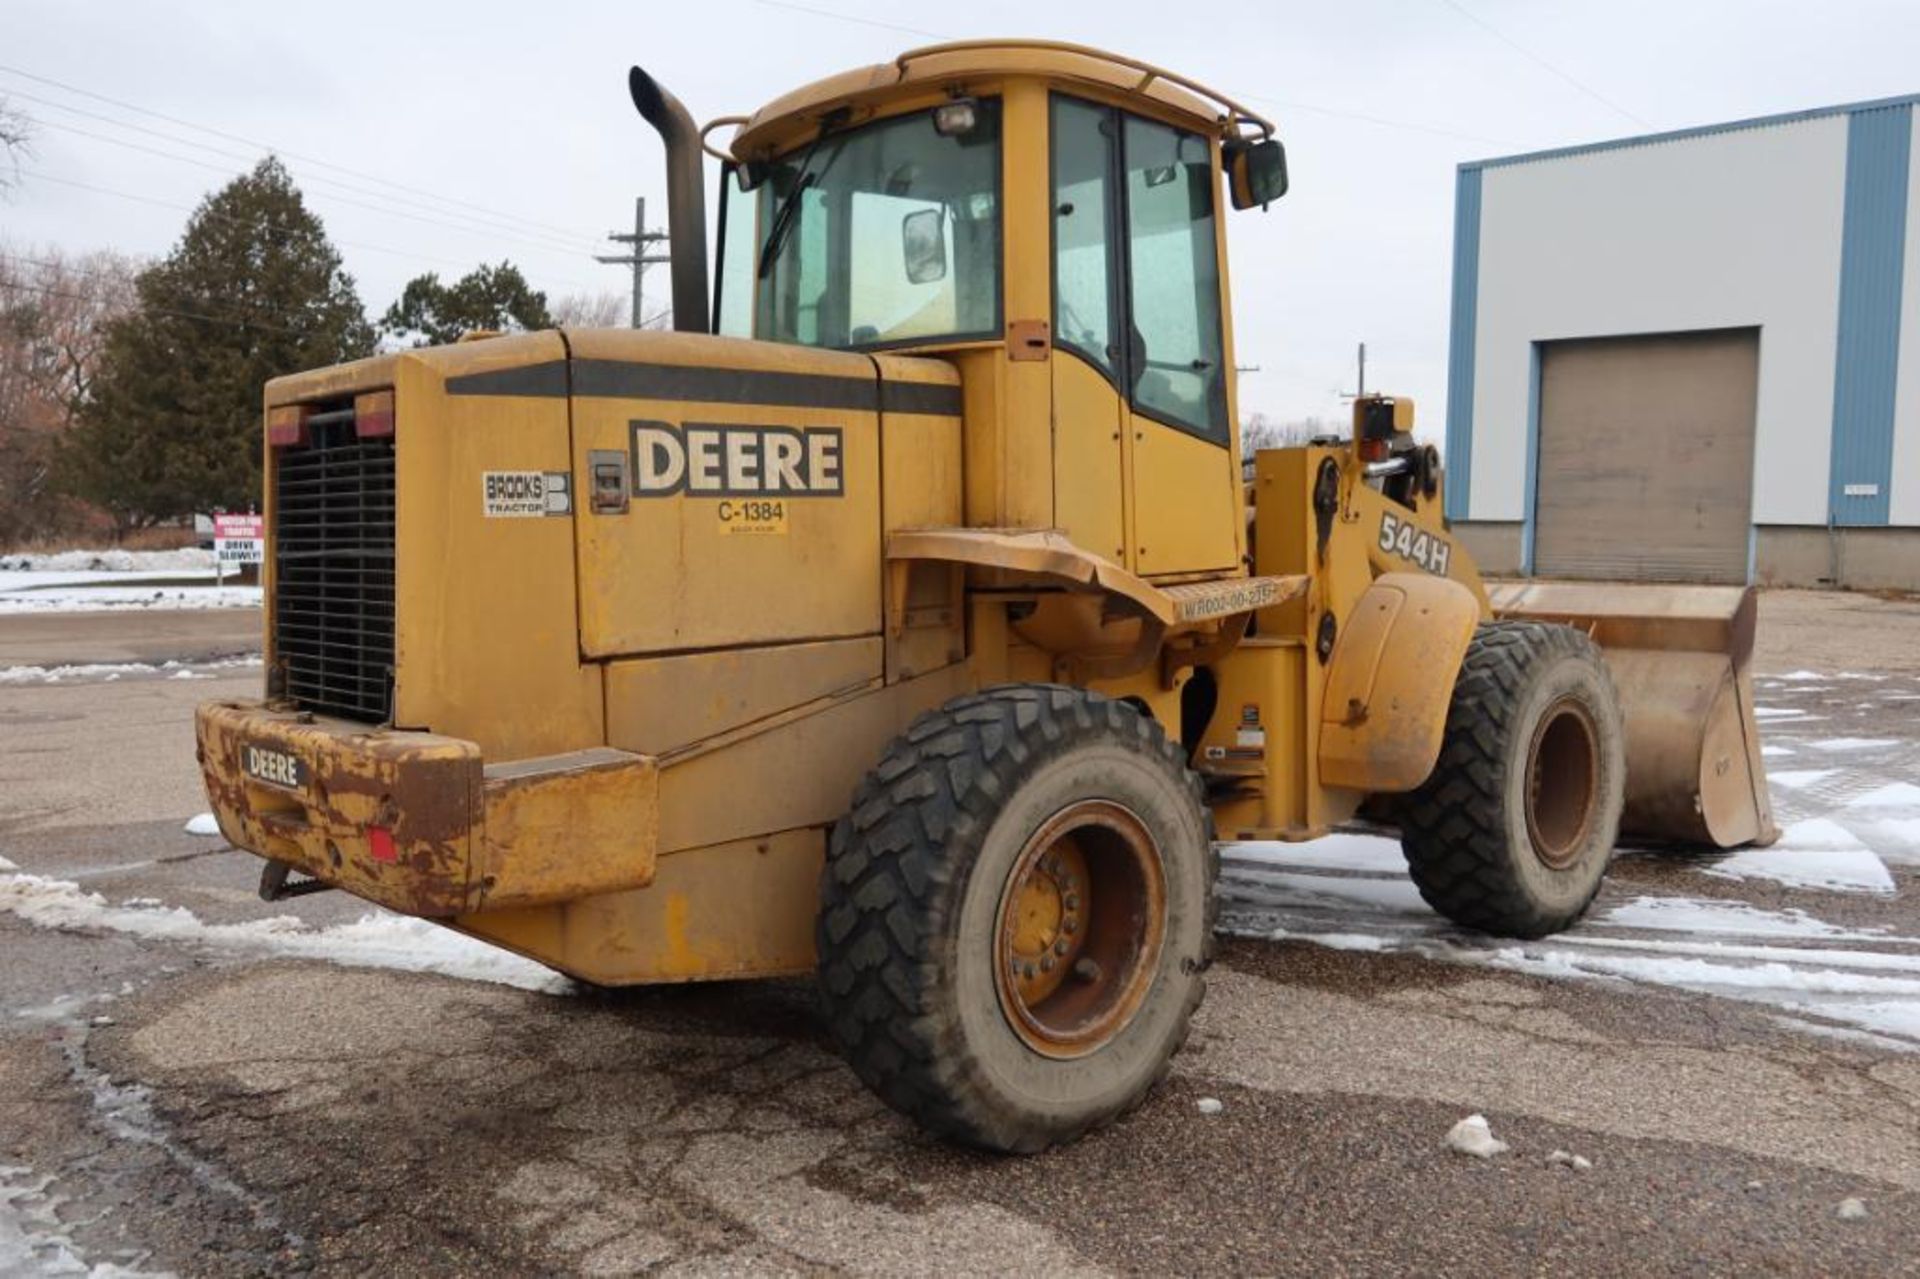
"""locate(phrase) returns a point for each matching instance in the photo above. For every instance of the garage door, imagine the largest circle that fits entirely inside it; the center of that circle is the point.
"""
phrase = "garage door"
(1646, 457)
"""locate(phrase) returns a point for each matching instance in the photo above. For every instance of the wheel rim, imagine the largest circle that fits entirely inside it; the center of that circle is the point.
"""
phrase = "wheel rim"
(1563, 783)
(1081, 926)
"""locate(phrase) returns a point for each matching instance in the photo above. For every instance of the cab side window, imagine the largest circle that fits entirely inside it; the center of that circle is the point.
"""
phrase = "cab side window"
(1173, 279)
(1136, 274)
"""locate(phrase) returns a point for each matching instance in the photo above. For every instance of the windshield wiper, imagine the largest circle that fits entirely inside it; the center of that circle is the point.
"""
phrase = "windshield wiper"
(782, 224)
(784, 215)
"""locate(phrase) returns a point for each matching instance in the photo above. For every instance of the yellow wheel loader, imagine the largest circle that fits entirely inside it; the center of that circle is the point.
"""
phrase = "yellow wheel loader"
(913, 622)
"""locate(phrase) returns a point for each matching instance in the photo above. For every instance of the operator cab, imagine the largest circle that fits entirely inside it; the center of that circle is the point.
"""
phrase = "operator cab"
(1079, 286)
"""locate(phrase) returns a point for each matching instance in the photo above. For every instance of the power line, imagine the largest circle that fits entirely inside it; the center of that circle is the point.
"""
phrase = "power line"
(238, 321)
(490, 226)
(267, 146)
(1336, 112)
(347, 200)
(1529, 54)
(43, 176)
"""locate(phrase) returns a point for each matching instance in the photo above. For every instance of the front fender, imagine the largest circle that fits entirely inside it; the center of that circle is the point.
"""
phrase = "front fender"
(1390, 681)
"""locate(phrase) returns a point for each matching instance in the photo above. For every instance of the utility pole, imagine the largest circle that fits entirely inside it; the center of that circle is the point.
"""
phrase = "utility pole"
(639, 259)
(1361, 391)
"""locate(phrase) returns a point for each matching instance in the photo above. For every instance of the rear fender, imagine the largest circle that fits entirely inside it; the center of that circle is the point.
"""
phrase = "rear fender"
(1390, 681)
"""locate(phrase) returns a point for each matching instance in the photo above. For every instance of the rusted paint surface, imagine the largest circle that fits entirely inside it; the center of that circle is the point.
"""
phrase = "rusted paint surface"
(423, 788)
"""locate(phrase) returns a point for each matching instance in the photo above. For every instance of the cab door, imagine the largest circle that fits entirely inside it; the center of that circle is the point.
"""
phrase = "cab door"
(1185, 496)
(1143, 457)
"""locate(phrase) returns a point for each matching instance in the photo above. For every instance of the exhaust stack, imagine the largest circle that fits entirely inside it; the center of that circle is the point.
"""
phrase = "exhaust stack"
(686, 198)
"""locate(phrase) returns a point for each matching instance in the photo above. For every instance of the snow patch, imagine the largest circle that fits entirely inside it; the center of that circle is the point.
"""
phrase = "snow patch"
(1723, 918)
(1566, 1159)
(1339, 851)
(1209, 1105)
(115, 670)
(1812, 854)
(1779, 712)
(377, 940)
(34, 1240)
(1472, 1136)
(108, 561)
(1774, 752)
(199, 824)
(1854, 743)
(1893, 795)
(1800, 778)
(1851, 1210)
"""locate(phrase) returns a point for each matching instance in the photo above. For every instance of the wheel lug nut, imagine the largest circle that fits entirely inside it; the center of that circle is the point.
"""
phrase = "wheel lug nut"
(1046, 963)
(1086, 968)
(1072, 902)
(1029, 972)
(1060, 947)
(1070, 925)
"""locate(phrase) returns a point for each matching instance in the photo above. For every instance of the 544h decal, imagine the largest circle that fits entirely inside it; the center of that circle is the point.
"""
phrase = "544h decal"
(1414, 544)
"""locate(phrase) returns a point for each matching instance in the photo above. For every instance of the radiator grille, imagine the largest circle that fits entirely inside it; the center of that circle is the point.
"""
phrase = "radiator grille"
(333, 569)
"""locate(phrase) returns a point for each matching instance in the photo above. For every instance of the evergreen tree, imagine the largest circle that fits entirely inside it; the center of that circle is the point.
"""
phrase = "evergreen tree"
(430, 313)
(253, 290)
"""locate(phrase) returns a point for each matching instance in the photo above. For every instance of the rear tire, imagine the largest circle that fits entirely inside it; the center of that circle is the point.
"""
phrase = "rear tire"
(1512, 831)
(1015, 916)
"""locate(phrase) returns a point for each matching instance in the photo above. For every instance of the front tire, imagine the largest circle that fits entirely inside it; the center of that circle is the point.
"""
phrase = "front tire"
(1512, 831)
(1015, 916)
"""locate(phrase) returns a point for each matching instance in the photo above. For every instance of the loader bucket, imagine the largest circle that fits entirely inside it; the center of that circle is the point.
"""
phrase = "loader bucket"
(1679, 656)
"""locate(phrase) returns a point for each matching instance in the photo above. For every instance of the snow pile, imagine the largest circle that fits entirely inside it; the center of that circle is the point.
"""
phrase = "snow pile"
(202, 824)
(1851, 1210)
(1566, 1159)
(1472, 1136)
(1843, 744)
(109, 561)
(1209, 1105)
(84, 599)
(1799, 778)
(377, 940)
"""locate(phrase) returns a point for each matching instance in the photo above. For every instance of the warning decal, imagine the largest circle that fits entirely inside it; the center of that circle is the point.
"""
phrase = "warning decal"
(520, 493)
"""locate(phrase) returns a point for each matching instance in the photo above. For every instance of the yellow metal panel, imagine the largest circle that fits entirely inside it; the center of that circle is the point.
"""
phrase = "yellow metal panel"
(485, 609)
(662, 704)
(795, 772)
(741, 909)
(1390, 682)
(921, 481)
(1258, 726)
(673, 571)
(1186, 503)
(1087, 421)
(1027, 192)
(566, 826)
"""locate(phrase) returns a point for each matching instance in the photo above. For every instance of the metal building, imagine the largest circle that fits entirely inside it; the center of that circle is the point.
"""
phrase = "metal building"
(1693, 356)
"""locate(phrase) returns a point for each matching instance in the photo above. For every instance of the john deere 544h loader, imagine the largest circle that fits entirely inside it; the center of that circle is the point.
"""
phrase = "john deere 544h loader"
(913, 623)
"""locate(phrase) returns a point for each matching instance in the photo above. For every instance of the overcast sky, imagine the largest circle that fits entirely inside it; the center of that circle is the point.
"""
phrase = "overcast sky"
(480, 130)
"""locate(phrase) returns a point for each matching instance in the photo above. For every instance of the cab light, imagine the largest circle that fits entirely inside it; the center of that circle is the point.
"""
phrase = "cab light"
(955, 119)
(373, 415)
(380, 845)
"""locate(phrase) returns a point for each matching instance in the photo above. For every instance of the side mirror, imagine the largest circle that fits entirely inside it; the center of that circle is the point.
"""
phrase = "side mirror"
(1257, 173)
(923, 245)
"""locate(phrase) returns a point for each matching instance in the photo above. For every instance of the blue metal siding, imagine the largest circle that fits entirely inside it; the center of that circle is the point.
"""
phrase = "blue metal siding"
(1461, 347)
(1867, 359)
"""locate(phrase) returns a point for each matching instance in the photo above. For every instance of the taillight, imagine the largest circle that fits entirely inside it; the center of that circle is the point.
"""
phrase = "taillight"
(287, 425)
(373, 414)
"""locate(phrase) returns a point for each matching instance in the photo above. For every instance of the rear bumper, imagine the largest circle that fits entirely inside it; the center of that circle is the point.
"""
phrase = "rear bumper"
(420, 823)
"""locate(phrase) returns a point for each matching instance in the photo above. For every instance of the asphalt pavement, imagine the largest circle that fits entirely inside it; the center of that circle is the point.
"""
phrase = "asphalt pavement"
(184, 1088)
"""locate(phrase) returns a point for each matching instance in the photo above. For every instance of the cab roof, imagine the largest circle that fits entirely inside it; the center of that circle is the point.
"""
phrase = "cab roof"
(795, 115)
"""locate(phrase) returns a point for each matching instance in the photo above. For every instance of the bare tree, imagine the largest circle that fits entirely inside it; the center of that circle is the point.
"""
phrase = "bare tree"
(1259, 431)
(590, 311)
(16, 140)
(54, 312)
